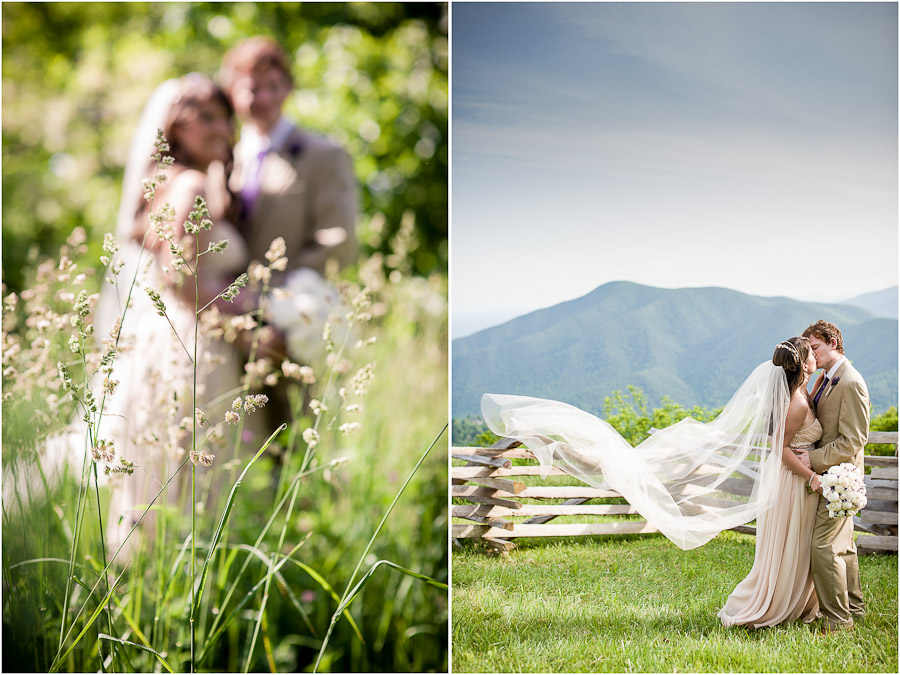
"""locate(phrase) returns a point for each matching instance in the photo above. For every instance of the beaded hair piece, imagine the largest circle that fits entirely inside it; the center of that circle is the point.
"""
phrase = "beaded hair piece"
(790, 347)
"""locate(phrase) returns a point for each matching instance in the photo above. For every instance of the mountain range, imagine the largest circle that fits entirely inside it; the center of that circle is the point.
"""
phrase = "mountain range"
(695, 345)
(880, 303)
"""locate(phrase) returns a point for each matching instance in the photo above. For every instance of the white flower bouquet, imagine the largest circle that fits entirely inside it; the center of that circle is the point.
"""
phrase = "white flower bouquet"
(844, 490)
(300, 309)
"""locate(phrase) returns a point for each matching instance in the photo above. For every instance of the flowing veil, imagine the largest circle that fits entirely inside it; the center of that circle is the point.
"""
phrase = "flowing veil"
(153, 117)
(690, 480)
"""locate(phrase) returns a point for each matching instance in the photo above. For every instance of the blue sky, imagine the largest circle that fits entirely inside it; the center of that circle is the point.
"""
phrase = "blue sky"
(742, 145)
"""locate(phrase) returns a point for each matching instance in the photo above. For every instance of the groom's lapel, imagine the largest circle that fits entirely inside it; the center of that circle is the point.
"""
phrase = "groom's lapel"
(831, 385)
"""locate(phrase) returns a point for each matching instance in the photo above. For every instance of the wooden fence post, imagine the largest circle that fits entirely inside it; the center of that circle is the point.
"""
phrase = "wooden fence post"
(495, 498)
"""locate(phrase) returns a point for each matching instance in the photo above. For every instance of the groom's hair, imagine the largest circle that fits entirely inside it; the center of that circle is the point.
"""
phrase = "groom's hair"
(826, 331)
(253, 55)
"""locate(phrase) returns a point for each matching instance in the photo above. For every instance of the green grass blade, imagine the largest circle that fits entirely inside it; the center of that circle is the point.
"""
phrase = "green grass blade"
(391, 507)
(416, 575)
(234, 583)
(226, 513)
(104, 636)
(249, 594)
(40, 560)
(336, 616)
(132, 624)
(57, 658)
(319, 579)
(265, 560)
(167, 591)
(55, 666)
(292, 598)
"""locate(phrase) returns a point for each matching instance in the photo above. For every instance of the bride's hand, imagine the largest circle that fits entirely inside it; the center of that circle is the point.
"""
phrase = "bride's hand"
(815, 482)
(217, 197)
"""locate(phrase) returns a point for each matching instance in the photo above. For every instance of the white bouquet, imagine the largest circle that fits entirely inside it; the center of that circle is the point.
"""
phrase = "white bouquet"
(300, 309)
(844, 490)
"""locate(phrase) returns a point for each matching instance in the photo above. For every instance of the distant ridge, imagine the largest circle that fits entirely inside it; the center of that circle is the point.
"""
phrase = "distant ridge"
(880, 303)
(695, 345)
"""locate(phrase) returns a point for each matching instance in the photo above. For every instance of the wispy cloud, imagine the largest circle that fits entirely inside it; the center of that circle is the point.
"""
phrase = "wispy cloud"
(642, 120)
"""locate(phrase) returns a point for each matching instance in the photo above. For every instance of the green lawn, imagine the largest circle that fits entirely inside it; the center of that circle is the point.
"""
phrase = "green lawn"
(639, 604)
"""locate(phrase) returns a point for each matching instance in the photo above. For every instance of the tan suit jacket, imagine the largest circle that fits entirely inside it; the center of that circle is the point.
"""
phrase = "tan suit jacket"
(308, 195)
(843, 411)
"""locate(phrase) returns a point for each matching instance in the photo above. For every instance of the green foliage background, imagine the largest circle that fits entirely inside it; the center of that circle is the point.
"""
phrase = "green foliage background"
(629, 415)
(371, 76)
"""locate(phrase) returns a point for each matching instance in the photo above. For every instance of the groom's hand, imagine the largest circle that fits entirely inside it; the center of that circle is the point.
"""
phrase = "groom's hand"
(803, 456)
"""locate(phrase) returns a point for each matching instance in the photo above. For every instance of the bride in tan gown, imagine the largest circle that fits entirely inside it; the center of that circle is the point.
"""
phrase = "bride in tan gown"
(779, 587)
(681, 478)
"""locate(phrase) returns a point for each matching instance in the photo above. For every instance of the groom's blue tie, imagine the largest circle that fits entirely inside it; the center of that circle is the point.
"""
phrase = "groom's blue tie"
(821, 389)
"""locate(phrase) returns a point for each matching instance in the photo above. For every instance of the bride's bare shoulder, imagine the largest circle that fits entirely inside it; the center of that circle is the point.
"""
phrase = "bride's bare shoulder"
(181, 190)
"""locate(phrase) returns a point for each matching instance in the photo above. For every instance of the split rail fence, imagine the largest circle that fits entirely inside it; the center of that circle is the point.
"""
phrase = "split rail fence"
(487, 483)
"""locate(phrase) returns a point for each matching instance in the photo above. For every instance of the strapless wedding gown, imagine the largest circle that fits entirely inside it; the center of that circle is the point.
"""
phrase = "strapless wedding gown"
(779, 587)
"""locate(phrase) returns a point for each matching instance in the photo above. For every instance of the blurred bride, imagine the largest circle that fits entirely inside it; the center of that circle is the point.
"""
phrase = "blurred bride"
(149, 417)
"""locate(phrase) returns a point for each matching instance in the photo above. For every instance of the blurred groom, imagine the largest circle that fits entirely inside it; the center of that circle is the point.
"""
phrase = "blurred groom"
(841, 403)
(293, 184)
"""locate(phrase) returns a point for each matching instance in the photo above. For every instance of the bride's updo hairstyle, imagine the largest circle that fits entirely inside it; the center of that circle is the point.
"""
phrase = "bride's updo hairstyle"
(791, 355)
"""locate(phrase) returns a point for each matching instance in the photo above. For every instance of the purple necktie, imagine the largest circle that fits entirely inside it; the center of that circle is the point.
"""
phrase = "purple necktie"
(816, 399)
(251, 190)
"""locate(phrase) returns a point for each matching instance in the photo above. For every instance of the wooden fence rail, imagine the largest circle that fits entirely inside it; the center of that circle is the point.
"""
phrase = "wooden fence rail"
(493, 496)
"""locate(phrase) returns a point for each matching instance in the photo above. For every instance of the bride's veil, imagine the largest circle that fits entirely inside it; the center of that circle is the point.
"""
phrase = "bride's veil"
(153, 117)
(690, 480)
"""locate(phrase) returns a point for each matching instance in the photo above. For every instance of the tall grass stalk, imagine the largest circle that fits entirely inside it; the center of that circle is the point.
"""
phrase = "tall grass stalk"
(244, 390)
(347, 595)
(109, 624)
(93, 433)
(194, 408)
(90, 435)
(249, 594)
(55, 666)
(307, 457)
(226, 512)
(213, 629)
(115, 555)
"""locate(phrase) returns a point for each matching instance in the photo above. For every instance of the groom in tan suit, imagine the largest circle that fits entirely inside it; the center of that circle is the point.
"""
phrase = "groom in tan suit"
(841, 402)
(293, 184)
